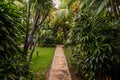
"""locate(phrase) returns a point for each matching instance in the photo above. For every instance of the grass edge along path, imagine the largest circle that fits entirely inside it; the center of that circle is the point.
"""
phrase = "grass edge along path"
(41, 63)
(68, 55)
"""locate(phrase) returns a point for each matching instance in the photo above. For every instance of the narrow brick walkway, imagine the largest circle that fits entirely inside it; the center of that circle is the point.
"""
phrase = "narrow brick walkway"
(59, 69)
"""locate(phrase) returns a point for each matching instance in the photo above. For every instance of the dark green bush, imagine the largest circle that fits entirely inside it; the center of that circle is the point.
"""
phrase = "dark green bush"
(47, 41)
(13, 62)
(96, 45)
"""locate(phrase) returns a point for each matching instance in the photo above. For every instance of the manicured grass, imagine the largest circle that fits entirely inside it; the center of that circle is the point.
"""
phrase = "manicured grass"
(41, 63)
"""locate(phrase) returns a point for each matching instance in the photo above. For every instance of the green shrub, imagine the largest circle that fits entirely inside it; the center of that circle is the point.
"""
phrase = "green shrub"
(13, 62)
(95, 45)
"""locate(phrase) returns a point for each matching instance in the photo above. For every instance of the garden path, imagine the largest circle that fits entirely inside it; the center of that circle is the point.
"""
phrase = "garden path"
(59, 68)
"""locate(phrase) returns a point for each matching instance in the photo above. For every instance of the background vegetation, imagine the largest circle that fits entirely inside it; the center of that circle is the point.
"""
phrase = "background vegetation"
(13, 62)
(94, 39)
(90, 28)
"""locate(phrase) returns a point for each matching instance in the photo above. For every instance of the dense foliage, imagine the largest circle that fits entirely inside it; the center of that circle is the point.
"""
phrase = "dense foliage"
(95, 43)
(13, 62)
(47, 37)
(93, 35)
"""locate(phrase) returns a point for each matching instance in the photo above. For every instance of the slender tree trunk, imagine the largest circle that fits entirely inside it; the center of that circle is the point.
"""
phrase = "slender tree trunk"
(29, 39)
(32, 32)
(27, 26)
(34, 45)
(46, 14)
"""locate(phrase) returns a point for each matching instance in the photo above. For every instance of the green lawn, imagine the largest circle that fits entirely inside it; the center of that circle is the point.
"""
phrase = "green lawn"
(41, 63)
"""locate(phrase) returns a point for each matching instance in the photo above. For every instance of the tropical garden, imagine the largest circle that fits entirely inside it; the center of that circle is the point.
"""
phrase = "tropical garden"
(89, 30)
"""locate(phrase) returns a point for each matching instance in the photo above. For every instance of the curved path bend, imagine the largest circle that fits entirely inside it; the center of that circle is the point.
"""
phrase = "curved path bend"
(59, 68)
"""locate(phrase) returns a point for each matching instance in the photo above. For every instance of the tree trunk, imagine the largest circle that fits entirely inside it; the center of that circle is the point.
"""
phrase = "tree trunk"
(34, 45)
(27, 26)
(29, 38)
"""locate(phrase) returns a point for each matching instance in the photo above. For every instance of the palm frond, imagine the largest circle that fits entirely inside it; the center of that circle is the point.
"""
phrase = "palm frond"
(102, 5)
